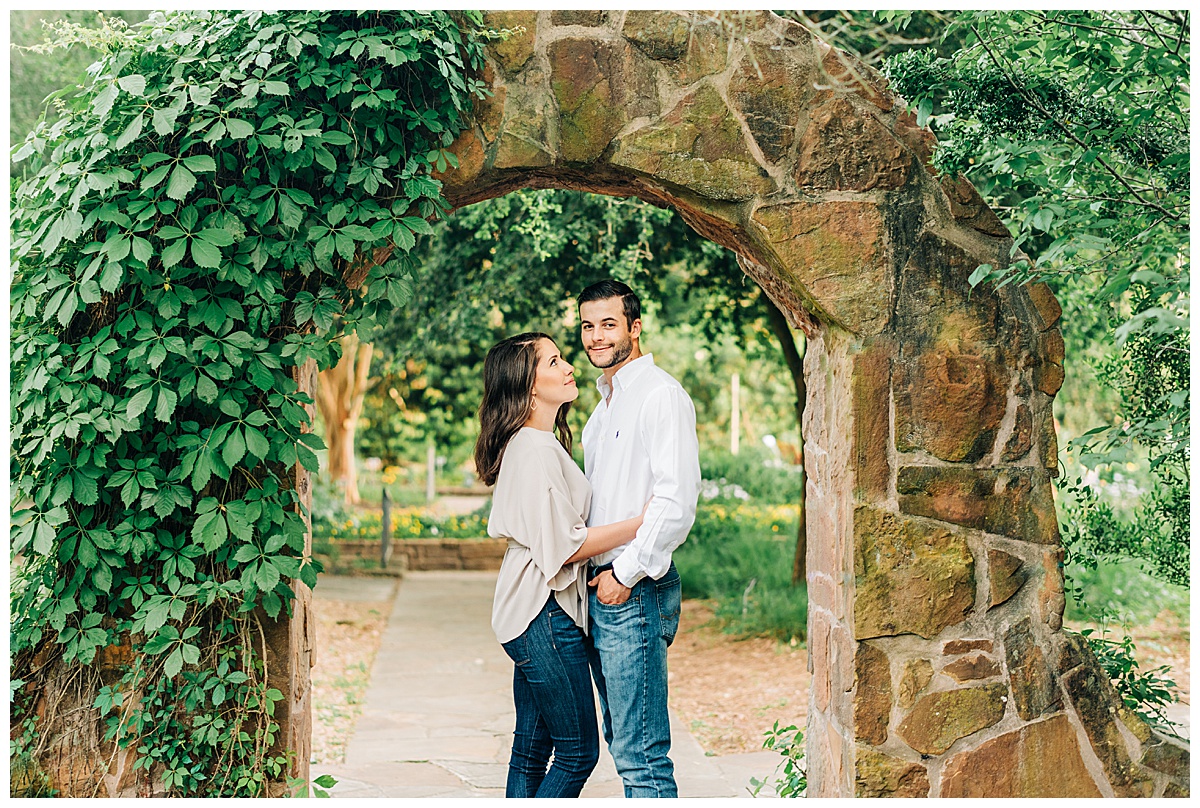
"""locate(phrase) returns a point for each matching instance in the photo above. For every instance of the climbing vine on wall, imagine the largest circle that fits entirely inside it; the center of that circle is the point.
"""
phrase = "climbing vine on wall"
(228, 193)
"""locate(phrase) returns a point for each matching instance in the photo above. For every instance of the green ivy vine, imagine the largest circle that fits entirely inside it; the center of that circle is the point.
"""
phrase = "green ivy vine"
(228, 193)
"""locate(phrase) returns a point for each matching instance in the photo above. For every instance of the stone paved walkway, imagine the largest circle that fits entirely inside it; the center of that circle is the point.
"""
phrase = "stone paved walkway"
(438, 717)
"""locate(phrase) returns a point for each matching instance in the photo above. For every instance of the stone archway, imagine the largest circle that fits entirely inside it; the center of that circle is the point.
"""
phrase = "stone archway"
(936, 597)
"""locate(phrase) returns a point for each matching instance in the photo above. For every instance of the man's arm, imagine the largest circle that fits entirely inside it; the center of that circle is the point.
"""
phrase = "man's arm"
(668, 427)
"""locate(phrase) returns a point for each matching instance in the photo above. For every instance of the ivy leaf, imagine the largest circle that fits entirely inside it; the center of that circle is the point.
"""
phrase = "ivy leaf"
(234, 448)
(154, 177)
(200, 162)
(43, 537)
(205, 254)
(247, 552)
(110, 277)
(174, 663)
(276, 88)
(181, 183)
(206, 389)
(256, 443)
(137, 405)
(239, 129)
(267, 577)
(173, 253)
(133, 84)
(167, 399)
(131, 132)
(210, 530)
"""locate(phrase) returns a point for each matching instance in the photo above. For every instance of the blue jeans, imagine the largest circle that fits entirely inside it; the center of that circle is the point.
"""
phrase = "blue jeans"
(556, 711)
(628, 653)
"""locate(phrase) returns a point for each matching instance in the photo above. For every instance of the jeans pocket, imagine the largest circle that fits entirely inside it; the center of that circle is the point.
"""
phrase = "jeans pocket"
(518, 651)
(670, 601)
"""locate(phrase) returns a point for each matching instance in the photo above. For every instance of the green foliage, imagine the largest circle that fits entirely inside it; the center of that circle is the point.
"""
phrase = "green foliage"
(739, 554)
(790, 776)
(182, 242)
(1147, 693)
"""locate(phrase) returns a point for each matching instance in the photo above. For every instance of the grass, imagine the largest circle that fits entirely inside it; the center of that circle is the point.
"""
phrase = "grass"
(740, 555)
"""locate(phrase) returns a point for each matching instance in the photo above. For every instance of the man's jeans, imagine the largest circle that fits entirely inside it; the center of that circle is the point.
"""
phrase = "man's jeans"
(556, 711)
(628, 652)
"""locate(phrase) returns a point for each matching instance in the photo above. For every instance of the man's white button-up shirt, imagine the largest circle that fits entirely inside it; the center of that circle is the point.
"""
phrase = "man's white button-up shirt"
(639, 443)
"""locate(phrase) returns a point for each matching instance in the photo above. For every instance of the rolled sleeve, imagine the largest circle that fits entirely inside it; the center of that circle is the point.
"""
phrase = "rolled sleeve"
(669, 432)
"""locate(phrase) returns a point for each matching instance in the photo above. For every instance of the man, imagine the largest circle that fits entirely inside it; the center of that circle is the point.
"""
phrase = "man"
(639, 445)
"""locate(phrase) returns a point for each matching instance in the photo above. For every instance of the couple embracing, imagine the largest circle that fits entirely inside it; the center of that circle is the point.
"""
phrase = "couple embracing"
(587, 590)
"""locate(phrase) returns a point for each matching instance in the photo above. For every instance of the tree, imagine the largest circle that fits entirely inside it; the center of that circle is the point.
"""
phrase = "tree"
(340, 393)
(1075, 125)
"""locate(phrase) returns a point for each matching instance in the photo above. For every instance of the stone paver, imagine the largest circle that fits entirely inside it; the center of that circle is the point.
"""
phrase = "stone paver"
(438, 716)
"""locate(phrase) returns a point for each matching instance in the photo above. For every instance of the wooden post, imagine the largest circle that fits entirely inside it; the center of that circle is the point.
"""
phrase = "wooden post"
(735, 420)
(430, 471)
(385, 548)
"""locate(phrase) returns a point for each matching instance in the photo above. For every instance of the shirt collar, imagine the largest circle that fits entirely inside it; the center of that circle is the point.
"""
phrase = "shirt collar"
(627, 374)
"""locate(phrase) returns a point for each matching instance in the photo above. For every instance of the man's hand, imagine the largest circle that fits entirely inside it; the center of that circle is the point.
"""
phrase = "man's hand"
(609, 591)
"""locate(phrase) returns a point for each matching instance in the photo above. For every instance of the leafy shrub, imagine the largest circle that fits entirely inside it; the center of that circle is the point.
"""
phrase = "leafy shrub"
(792, 781)
(758, 472)
(740, 555)
(1147, 693)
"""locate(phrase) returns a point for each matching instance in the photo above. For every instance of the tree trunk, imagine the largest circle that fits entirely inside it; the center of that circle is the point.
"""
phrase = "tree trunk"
(340, 392)
(795, 364)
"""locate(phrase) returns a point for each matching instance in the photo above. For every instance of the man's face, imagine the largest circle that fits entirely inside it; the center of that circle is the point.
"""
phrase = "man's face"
(607, 338)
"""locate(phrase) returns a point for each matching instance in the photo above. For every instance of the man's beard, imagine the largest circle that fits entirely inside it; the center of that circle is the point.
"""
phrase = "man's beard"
(620, 352)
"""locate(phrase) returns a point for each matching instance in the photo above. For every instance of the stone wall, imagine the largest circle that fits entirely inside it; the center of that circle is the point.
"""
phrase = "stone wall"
(940, 667)
(430, 554)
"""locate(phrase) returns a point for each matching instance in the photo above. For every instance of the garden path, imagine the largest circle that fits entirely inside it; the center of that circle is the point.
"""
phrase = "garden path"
(438, 719)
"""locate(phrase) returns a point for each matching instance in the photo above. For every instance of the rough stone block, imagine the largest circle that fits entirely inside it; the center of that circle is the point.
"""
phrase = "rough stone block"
(948, 403)
(598, 90)
(578, 17)
(968, 207)
(880, 775)
(1095, 703)
(849, 75)
(963, 646)
(845, 148)
(1011, 502)
(909, 578)
(872, 421)
(872, 694)
(1005, 576)
(837, 250)
(513, 53)
(940, 719)
(1035, 692)
(688, 44)
(769, 89)
(917, 675)
(1038, 760)
(1044, 304)
(979, 666)
(699, 145)
(1021, 438)
(1048, 378)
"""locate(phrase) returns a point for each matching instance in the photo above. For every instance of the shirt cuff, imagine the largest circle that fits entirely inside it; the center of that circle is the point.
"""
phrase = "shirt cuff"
(627, 572)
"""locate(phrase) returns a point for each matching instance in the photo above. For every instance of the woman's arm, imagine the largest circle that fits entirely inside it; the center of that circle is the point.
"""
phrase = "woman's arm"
(602, 538)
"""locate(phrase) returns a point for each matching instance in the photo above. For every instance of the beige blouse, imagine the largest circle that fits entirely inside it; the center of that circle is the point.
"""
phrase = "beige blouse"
(540, 504)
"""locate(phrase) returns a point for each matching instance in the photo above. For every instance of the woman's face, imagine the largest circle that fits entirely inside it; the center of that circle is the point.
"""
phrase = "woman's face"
(554, 384)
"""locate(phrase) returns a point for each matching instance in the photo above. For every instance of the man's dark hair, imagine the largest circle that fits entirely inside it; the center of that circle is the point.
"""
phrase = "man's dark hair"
(603, 290)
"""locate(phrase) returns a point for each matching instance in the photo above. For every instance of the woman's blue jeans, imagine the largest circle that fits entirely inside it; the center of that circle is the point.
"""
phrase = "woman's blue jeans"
(556, 712)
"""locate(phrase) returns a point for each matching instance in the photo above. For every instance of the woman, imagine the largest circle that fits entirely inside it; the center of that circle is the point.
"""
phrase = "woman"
(540, 504)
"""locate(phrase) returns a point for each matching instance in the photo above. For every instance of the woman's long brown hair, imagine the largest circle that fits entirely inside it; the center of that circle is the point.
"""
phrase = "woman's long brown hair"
(509, 372)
